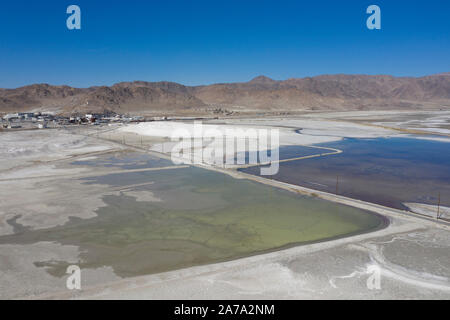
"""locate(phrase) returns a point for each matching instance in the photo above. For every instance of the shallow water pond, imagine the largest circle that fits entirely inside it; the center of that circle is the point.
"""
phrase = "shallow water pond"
(199, 217)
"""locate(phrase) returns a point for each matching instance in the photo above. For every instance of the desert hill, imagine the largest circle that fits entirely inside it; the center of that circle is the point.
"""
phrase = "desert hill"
(326, 92)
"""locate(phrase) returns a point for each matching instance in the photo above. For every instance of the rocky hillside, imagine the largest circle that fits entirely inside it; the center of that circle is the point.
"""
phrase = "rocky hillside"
(327, 92)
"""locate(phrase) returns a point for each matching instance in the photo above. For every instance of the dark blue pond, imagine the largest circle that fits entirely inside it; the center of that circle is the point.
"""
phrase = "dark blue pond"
(387, 171)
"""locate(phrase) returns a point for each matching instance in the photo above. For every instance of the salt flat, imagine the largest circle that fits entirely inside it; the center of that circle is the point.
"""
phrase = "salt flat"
(411, 253)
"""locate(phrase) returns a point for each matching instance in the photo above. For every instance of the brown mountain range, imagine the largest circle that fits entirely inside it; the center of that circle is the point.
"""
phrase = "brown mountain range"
(262, 94)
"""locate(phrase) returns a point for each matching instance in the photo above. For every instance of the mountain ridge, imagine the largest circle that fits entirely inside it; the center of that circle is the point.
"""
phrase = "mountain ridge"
(324, 92)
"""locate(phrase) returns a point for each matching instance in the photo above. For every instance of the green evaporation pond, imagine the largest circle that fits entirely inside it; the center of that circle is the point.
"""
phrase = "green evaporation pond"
(202, 217)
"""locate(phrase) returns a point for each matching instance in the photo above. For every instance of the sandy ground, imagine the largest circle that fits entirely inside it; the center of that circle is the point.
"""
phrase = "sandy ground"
(429, 210)
(426, 122)
(313, 131)
(412, 254)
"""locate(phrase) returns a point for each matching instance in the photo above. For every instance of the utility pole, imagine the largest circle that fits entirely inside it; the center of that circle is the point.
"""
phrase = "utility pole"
(438, 208)
(337, 184)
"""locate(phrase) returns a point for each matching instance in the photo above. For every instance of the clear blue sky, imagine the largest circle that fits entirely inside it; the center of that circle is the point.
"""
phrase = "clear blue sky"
(201, 42)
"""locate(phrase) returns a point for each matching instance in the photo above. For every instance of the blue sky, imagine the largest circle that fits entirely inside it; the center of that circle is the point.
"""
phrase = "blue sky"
(201, 42)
